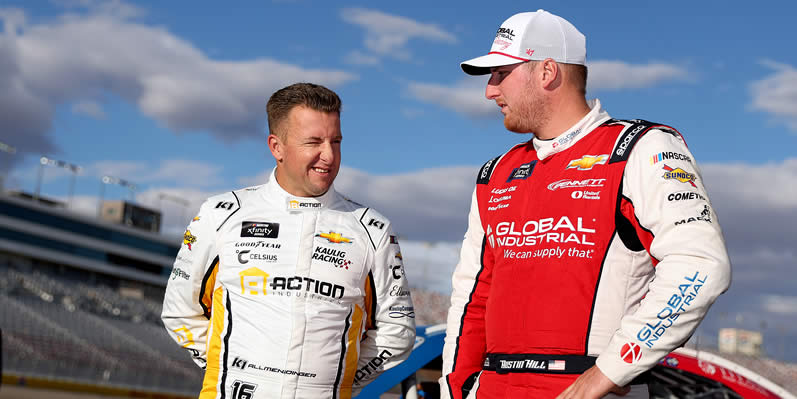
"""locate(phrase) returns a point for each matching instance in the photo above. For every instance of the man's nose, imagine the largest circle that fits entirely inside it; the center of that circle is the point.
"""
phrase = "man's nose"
(327, 151)
(491, 92)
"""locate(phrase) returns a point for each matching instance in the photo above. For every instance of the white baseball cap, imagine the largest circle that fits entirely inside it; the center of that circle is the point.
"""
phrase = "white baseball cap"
(531, 36)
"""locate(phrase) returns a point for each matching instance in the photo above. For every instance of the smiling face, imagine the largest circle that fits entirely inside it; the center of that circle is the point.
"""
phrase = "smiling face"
(308, 153)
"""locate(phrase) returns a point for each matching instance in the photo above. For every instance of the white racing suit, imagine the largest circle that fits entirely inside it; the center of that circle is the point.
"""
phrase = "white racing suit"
(285, 297)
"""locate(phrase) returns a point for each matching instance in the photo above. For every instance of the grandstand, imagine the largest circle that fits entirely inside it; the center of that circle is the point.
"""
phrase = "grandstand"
(80, 304)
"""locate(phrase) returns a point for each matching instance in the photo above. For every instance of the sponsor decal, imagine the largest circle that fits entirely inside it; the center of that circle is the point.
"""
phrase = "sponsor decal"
(303, 205)
(493, 200)
(397, 312)
(259, 244)
(685, 196)
(398, 256)
(705, 216)
(177, 272)
(379, 225)
(195, 218)
(243, 390)
(508, 34)
(529, 52)
(523, 364)
(631, 352)
(393, 240)
(189, 239)
(398, 291)
(245, 256)
(679, 302)
(501, 43)
(486, 171)
(680, 175)
(669, 361)
(244, 364)
(225, 205)
(398, 271)
(260, 229)
(569, 183)
(499, 191)
(566, 138)
(256, 282)
(522, 172)
(584, 194)
(335, 238)
(707, 367)
(668, 155)
(497, 207)
(627, 139)
(557, 365)
(587, 162)
(336, 257)
(184, 336)
(372, 365)
(543, 231)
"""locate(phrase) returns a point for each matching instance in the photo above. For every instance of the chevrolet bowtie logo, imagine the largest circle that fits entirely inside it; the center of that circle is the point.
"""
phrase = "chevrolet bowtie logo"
(588, 161)
(335, 238)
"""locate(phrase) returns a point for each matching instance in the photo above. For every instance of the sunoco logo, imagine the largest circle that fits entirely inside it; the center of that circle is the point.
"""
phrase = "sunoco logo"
(680, 175)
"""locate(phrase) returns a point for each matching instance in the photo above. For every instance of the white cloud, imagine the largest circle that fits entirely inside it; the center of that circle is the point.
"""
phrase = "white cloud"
(771, 185)
(80, 55)
(777, 93)
(357, 57)
(467, 96)
(177, 172)
(785, 305)
(388, 35)
(617, 75)
(89, 108)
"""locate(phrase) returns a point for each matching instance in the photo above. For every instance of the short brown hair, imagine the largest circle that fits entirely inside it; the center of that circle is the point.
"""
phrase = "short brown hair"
(575, 74)
(310, 95)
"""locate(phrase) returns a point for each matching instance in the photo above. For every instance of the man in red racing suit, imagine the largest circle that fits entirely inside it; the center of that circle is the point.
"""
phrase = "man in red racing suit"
(592, 250)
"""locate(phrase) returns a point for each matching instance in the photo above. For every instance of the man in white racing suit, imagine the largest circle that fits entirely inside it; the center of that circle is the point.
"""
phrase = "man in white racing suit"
(592, 250)
(288, 289)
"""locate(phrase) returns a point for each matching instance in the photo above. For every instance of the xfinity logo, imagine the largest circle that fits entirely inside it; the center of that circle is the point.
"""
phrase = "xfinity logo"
(260, 229)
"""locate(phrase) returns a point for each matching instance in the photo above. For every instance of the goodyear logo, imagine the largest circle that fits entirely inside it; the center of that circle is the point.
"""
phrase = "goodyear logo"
(335, 238)
(680, 175)
(188, 239)
(588, 161)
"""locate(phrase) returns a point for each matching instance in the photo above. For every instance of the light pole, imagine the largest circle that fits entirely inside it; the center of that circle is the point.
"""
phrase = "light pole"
(177, 200)
(8, 149)
(113, 180)
(44, 161)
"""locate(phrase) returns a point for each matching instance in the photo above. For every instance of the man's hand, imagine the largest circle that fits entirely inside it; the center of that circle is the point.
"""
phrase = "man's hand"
(593, 384)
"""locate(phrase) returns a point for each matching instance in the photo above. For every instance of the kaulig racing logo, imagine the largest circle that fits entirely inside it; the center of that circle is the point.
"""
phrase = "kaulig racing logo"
(542, 231)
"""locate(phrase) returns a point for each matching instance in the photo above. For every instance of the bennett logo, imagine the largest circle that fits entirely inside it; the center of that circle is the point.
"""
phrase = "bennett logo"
(680, 175)
(631, 353)
(567, 183)
(522, 172)
(260, 229)
(588, 161)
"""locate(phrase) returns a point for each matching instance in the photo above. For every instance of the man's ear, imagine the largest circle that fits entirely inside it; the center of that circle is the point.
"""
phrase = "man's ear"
(551, 74)
(275, 145)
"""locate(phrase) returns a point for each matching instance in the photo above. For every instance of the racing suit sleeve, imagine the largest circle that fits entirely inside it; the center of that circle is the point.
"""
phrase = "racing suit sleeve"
(390, 334)
(664, 197)
(187, 303)
(465, 344)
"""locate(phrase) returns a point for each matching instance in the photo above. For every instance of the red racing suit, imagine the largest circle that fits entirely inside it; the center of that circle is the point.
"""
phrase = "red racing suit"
(597, 247)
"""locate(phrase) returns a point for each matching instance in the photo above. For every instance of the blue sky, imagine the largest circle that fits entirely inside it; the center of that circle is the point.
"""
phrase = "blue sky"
(171, 96)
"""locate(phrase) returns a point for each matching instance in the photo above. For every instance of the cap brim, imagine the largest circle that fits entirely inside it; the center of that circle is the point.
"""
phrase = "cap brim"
(481, 65)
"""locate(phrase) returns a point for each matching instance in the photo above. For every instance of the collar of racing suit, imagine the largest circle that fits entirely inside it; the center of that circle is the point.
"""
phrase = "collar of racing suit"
(589, 122)
(293, 203)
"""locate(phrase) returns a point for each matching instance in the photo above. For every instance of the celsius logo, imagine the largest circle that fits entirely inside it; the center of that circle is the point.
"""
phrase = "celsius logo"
(631, 353)
(567, 183)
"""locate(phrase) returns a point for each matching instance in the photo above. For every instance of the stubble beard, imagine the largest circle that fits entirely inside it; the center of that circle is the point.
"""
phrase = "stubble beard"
(530, 114)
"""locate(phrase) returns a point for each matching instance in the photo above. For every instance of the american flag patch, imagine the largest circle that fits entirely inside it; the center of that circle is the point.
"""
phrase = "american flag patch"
(556, 365)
